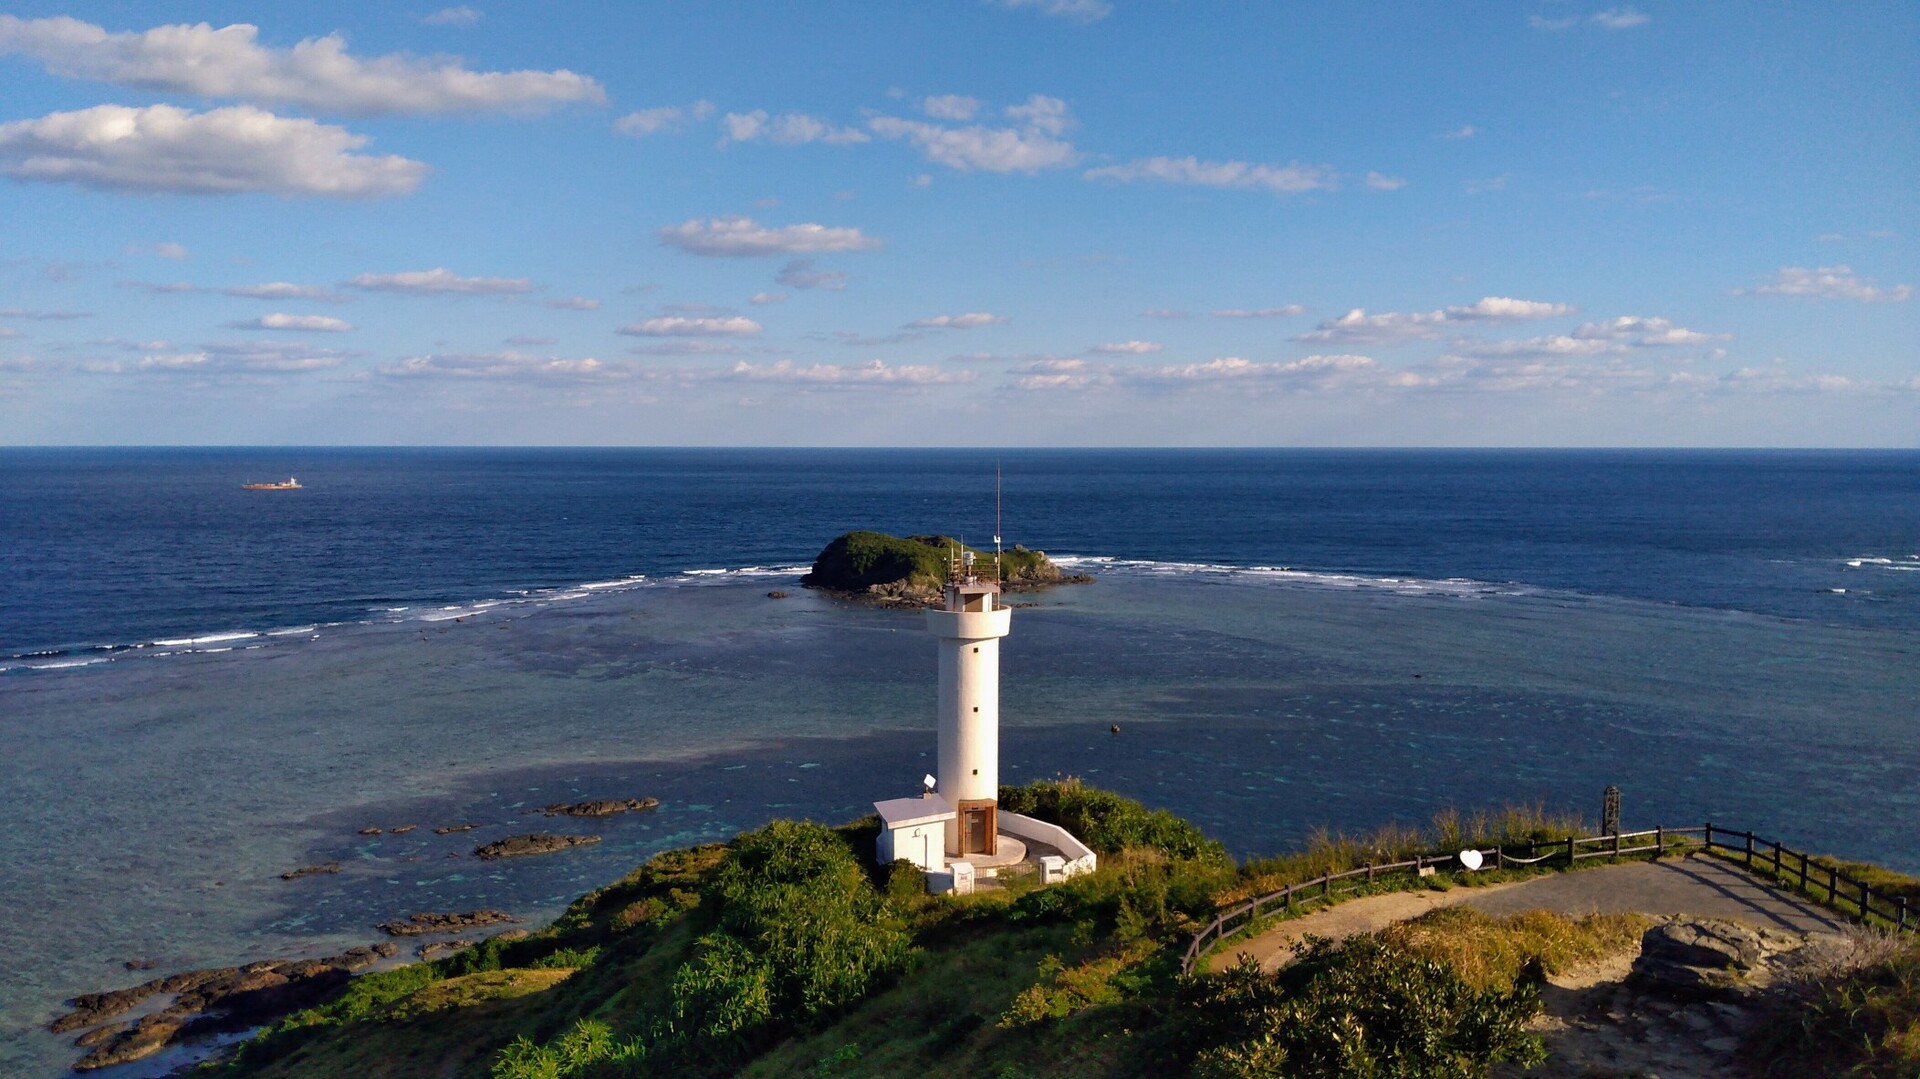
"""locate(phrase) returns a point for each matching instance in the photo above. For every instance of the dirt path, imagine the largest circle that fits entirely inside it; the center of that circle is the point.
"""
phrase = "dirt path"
(1699, 886)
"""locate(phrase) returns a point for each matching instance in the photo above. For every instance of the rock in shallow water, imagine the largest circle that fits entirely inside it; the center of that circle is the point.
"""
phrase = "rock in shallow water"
(515, 846)
(601, 807)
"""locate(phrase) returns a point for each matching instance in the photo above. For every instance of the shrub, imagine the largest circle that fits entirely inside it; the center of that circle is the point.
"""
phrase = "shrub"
(1108, 822)
(1362, 1009)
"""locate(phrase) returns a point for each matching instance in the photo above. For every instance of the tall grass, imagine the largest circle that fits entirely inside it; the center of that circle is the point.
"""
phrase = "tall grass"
(1511, 827)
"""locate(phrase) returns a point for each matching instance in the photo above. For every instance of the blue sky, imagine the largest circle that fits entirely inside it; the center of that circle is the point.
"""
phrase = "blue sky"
(1051, 222)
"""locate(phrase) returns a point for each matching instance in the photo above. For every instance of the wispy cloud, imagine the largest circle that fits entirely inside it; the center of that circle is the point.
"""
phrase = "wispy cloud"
(1031, 144)
(1620, 18)
(801, 274)
(1464, 131)
(234, 150)
(742, 237)
(676, 326)
(1291, 179)
(574, 303)
(1827, 282)
(507, 366)
(1286, 311)
(1380, 181)
(787, 129)
(285, 290)
(875, 373)
(967, 321)
(1358, 327)
(452, 16)
(1129, 348)
(662, 120)
(955, 107)
(1085, 11)
(317, 73)
(39, 314)
(439, 281)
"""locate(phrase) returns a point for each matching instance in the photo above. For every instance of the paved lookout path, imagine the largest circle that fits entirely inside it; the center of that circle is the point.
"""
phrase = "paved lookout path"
(1700, 886)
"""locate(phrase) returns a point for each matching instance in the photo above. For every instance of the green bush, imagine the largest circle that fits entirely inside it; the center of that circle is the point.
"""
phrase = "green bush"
(1108, 822)
(1361, 1009)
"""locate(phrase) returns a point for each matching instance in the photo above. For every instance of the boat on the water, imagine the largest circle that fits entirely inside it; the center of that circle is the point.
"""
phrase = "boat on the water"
(290, 484)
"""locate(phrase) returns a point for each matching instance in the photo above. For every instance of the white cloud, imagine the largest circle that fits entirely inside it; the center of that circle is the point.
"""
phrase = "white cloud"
(764, 298)
(1827, 282)
(1620, 18)
(956, 107)
(1555, 345)
(742, 237)
(1031, 146)
(317, 73)
(1165, 312)
(439, 281)
(507, 366)
(574, 303)
(957, 322)
(223, 151)
(452, 16)
(1380, 181)
(1644, 332)
(1506, 309)
(1304, 371)
(1129, 348)
(800, 273)
(1078, 10)
(1258, 312)
(1291, 179)
(876, 373)
(1356, 326)
(310, 323)
(1464, 131)
(1491, 183)
(285, 290)
(676, 326)
(787, 129)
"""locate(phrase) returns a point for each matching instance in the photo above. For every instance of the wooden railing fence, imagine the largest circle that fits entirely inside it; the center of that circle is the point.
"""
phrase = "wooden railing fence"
(1846, 895)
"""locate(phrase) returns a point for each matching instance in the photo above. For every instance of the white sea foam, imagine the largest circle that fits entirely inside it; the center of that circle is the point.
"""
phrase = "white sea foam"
(624, 582)
(1287, 575)
(294, 632)
(211, 638)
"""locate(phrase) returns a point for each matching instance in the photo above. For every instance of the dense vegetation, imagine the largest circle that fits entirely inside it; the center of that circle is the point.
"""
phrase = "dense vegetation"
(858, 561)
(787, 952)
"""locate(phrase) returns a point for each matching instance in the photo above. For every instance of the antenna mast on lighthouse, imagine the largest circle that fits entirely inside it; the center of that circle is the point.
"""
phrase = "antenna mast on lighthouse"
(998, 575)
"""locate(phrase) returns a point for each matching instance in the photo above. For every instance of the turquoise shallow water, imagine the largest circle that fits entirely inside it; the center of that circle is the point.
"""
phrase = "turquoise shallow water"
(157, 798)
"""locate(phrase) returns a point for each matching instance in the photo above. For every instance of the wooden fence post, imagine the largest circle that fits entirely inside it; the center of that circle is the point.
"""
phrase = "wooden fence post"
(1776, 857)
(1865, 898)
(1616, 843)
(1803, 873)
(1709, 843)
(1570, 858)
(1659, 840)
(1833, 885)
(1900, 923)
(1749, 850)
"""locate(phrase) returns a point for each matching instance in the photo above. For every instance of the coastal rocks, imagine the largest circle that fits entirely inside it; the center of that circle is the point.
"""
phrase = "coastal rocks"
(370, 830)
(322, 869)
(1707, 958)
(776, 595)
(404, 829)
(516, 846)
(204, 1002)
(434, 949)
(449, 829)
(601, 807)
(431, 922)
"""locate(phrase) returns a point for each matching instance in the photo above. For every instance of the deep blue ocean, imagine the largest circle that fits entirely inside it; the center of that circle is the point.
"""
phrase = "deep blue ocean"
(203, 687)
(121, 547)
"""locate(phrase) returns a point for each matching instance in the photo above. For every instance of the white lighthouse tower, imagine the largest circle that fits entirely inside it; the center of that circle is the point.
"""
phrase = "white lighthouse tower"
(969, 625)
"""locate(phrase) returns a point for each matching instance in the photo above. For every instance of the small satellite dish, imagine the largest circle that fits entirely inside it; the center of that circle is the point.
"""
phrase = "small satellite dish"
(928, 782)
(1470, 858)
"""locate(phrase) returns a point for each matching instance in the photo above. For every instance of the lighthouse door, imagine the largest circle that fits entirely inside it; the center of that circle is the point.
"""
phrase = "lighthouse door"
(977, 828)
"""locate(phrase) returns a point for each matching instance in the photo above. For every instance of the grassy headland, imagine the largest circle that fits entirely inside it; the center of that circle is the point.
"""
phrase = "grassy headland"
(787, 952)
(877, 565)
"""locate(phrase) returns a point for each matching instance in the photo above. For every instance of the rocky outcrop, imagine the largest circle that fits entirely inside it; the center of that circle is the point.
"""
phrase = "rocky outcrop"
(601, 807)
(431, 922)
(893, 571)
(205, 1002)
(515, 846)
(322, 869)
(1711, 958)
(449, 829)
